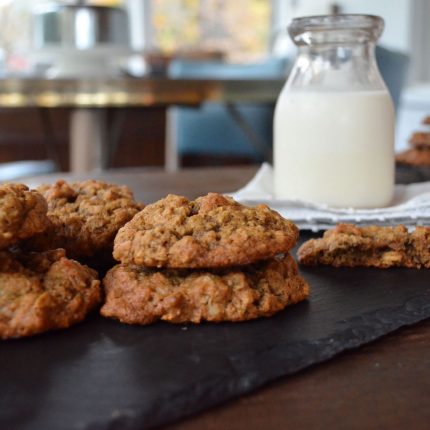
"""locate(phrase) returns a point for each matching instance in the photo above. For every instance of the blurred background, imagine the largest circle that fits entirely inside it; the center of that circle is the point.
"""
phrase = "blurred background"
(140, 38)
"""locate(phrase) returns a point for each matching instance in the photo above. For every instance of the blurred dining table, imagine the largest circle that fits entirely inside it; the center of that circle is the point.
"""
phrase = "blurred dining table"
(91, 135)
(381, 385)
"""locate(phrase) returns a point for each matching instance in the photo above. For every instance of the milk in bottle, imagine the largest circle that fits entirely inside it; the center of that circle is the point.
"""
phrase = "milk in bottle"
(334, 119)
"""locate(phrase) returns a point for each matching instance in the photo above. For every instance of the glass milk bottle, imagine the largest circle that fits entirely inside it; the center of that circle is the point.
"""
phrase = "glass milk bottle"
(334, 119)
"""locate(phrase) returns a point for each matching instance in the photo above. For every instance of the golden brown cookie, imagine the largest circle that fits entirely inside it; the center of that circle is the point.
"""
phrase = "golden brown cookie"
(43, 291)
(373, 246)
(419, 246)
(414, 157)
(84, 217)
(22, 214)
(135, 295)
(420, 139)
(426, 120)
(212, 231)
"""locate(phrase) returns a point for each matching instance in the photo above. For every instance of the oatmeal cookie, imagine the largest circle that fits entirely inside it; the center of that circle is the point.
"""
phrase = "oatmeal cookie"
(420, 139)
(22, 214)
(414, 157)
(135, 295)
(84, 217)
(382, 247)
(43, 291)
(419, 247)
(212, 231)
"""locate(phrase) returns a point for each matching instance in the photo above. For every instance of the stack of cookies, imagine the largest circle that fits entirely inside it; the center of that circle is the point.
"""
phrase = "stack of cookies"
(40, 288)
(419, 153)
(211, 259)
(39, 291)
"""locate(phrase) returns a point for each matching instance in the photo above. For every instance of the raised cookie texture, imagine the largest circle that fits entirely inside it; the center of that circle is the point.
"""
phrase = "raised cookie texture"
(22, 214)
(348, 245)
(135, 295)
(43, 291)
(84, 217)
(212, 231)
(419, 246)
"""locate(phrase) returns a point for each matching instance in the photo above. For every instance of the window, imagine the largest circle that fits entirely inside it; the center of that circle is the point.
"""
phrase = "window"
(15, 25)
(16, 22)
(238, 29)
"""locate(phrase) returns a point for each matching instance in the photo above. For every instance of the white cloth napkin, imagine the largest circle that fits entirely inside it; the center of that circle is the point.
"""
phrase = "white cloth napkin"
(410, 206)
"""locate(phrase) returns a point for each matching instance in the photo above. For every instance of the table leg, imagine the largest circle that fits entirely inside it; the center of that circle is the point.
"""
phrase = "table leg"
(171, 156)
(49, 137)
(87, 140)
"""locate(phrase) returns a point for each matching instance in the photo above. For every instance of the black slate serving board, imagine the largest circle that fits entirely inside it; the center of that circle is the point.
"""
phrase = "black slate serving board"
(104, 375)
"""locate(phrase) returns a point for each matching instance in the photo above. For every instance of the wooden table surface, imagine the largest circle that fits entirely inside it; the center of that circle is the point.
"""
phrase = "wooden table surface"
(125, 91)
(383, 385)
(90, 133)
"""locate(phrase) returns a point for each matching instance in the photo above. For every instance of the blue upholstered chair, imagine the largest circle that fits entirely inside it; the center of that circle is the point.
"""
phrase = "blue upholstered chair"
(394, 68)
(210, 130)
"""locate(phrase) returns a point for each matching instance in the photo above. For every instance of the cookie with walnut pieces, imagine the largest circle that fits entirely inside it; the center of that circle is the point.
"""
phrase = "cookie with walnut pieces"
(414, 157)
(374, 246)
(43, 291)
(212, 231)
(22, 214)
(135, 295)
(84, 217)
(420, 139)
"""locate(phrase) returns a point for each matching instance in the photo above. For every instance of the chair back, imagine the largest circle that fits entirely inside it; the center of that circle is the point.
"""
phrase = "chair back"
(211, 130)
(271, 68)
(393, 66)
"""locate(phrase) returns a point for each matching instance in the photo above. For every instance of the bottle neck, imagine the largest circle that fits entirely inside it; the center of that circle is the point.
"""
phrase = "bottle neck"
(342, 54)
(336, 67)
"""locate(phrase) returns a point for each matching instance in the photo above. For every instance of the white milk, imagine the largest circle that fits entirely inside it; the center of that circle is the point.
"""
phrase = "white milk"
(335, 147)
